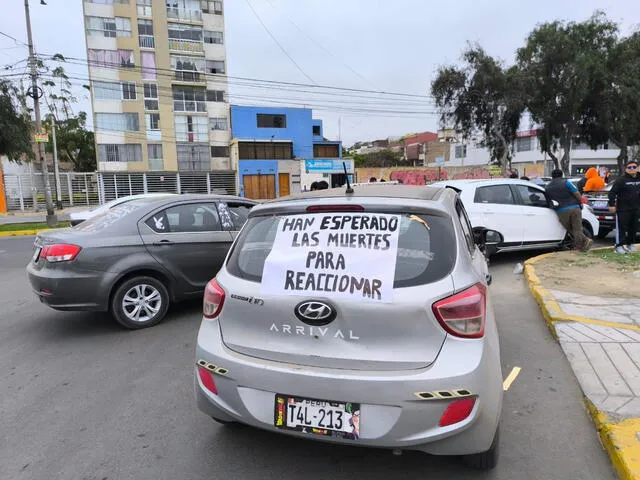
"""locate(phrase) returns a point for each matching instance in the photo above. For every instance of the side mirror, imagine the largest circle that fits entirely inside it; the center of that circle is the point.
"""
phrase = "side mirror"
(487, 240)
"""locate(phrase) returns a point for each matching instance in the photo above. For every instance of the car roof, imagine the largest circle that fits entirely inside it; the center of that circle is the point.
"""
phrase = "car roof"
(375, 190)
(167, 200)
(483, 181)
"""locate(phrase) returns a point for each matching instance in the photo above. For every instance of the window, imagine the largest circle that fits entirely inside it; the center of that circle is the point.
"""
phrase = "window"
(461, 151)
(111, 58)
(152, 121)
(191, 128)
(119, 153)
(265, 150)
(213, 37)
(523, 144)
(326, 151)
(193, 157)
(154, 152)
(118, 122)
(178, 31)
(233, 215)
(532, 197)
(500, 194)
(219, 151)
(208, 6)
(145, 34)
(109, 27)
(271, 121)
(424, 255)
(189, 99)
(218, 123)
(215, 66)
(189, 218)
(144, 8)
(109, 2)
(128, 91)
(106, 91)
(215, 95)
(316, 130)
(151, 96)
(188, 10)
(466, 226)
(188, 69)
(148, 60)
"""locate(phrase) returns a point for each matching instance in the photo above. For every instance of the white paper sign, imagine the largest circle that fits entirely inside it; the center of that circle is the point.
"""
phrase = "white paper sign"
(334, 255)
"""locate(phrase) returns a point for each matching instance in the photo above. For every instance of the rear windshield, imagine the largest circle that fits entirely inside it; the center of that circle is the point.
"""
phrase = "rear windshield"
(425, 249)
(108, 218)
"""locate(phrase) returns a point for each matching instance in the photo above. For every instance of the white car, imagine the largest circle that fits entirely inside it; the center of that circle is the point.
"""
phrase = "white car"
(79, 217)
(519, 210)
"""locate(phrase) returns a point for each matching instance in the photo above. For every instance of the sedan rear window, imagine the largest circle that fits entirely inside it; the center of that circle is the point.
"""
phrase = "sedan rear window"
(426, 248)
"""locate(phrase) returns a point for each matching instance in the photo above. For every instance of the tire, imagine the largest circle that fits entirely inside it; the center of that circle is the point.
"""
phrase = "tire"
(223, 422)
(485, 460)
(603, 232)
(588, 232)
(152, 310)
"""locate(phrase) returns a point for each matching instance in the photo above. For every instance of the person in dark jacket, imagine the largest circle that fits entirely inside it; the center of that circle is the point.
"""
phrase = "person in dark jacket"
(569, 208)
(624, 201)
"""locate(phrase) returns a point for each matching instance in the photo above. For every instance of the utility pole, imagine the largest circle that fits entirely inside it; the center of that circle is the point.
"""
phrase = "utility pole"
(35, 93)
(55, 164)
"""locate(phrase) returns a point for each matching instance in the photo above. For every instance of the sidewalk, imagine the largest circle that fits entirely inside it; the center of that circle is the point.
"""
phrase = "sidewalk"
(601, 339)
(41, 216)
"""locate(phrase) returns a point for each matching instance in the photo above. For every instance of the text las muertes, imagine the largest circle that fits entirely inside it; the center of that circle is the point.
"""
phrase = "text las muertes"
(338, 255)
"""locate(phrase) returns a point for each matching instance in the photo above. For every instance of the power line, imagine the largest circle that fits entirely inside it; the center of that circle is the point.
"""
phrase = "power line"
(278, 43)
(14, 39)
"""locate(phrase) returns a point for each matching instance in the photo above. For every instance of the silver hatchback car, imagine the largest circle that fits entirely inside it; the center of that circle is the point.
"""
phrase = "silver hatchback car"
(360, 318)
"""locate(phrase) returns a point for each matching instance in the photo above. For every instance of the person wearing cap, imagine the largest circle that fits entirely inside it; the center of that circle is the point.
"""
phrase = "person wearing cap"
(624, 201)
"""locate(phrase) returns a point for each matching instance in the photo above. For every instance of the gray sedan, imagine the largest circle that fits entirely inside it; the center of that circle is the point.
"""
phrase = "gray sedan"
(138, 257)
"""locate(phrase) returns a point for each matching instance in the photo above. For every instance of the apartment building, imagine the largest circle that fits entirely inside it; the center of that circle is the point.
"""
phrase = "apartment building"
(158, 85)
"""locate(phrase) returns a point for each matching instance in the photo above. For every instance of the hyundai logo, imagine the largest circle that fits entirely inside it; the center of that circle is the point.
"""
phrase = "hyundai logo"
(315, 313)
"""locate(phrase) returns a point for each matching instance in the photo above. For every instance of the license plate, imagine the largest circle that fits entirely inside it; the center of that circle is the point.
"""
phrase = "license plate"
(317, 417)
(36, 254)
(600, 204)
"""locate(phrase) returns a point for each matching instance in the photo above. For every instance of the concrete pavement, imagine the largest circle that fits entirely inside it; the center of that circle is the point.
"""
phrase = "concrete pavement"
(81, 398)
(601, 340)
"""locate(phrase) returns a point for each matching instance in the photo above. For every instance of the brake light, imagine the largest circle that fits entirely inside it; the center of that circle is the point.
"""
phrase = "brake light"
(463, 314)
(61, 252)
(213, 299)
(206, 377)
(457, 411)
(335, 208)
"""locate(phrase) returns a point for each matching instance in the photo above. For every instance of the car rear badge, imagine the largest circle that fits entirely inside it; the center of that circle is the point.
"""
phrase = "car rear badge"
(252, 300)
(315, 313)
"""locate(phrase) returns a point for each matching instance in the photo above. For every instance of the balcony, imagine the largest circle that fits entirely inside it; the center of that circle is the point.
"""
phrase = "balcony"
(189, 76)
(192, 46)
(146, 41)
(184, 15)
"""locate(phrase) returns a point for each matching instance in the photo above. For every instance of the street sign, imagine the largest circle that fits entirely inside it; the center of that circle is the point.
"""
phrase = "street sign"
(41, 137)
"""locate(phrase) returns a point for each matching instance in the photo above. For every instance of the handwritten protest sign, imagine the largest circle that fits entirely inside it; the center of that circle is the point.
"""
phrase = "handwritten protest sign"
(334, 255)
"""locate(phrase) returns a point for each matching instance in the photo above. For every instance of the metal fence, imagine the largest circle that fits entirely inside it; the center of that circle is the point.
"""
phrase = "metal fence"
(78, 189)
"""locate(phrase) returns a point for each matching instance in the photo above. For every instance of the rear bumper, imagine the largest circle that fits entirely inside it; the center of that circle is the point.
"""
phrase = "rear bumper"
(606, 219)
(392, 415)
(68, 290)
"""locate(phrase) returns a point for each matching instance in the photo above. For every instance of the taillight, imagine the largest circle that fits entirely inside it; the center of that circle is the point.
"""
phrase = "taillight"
(213, 299)
(206, 377)
(457, 411)
(335, 208)
(61, 252)
(463, 314)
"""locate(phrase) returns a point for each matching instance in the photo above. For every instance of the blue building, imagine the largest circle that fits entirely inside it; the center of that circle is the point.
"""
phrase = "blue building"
(278, 151)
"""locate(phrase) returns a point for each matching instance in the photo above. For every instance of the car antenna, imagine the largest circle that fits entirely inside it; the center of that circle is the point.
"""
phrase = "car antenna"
(349, 189)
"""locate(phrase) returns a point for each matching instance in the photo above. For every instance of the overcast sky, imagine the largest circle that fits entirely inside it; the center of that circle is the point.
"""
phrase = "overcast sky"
(394, 46)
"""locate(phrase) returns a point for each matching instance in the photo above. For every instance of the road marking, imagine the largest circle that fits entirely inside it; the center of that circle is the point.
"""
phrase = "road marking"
(515, 371)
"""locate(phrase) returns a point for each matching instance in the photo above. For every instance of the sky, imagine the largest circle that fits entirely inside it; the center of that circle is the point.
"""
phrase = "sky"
(374, 45)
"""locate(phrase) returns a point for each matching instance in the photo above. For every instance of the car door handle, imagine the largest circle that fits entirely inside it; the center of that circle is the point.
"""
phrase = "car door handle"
(163, 242)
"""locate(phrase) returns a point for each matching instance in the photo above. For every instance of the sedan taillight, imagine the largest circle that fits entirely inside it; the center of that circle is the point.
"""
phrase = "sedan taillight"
(61, 252)
(463, 314)
(213, 300)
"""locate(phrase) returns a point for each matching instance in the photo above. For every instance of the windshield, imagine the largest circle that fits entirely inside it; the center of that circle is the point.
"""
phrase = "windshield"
(424, 246)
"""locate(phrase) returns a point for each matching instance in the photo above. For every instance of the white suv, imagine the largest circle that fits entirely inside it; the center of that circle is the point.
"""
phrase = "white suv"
(519, 210)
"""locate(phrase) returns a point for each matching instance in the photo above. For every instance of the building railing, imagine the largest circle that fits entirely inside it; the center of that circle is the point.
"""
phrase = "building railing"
(184, 14)
(186, 45)
(147, 41)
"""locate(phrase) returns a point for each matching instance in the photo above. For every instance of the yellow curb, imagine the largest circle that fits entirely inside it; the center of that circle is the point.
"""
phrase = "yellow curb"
(18, 233)
(621, 442)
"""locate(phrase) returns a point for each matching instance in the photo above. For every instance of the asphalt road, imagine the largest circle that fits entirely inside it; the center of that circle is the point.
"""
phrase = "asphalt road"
(81, 398)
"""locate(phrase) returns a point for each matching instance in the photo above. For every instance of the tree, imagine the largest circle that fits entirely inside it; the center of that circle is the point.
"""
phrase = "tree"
(380, 159)
(74, 142)
(15, 128)
(564, 72)
(482, 97)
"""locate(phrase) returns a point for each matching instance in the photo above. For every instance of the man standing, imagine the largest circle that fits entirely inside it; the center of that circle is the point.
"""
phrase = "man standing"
(569, 208)
(624, 201)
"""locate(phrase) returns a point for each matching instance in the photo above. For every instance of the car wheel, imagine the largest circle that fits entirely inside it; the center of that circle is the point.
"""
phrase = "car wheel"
(485, 460)
(586, 229)
(140, 302)
(603, 232)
